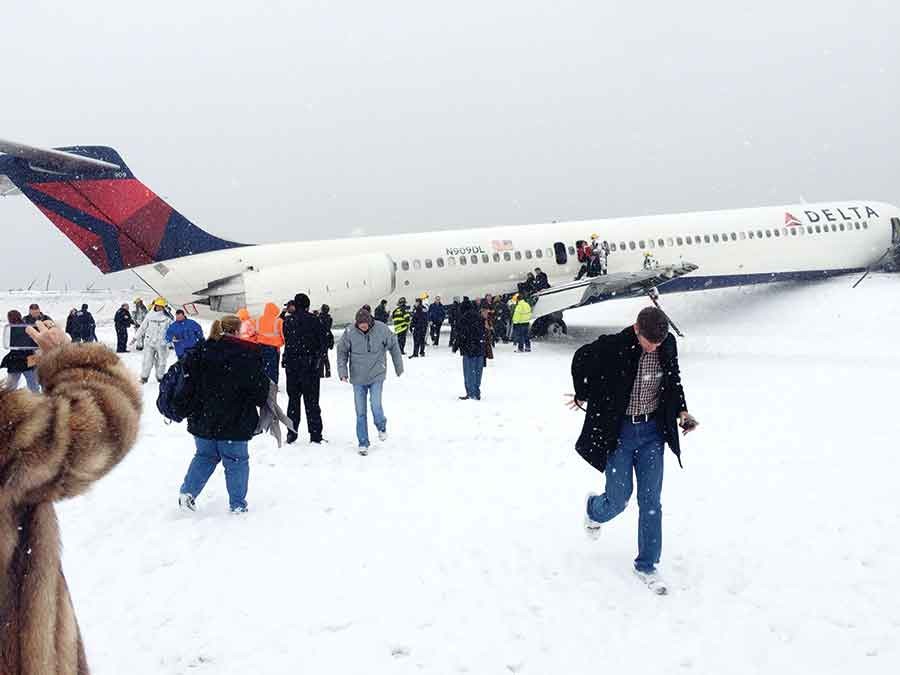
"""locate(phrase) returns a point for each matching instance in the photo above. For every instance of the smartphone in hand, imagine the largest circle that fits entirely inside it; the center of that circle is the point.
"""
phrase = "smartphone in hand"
(15, 337)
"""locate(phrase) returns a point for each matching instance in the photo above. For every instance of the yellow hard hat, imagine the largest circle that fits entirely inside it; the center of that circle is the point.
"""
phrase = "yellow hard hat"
(160, 302)
(595, 236)
(423, 295)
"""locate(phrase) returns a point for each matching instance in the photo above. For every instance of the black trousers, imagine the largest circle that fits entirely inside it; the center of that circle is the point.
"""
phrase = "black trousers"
(325, 368)
(121, 339)
(304, 386)
(401, 340)
(419, 343)
(436, 332)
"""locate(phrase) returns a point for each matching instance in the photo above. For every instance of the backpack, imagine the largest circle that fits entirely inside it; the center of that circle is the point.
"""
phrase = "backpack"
(178, 396)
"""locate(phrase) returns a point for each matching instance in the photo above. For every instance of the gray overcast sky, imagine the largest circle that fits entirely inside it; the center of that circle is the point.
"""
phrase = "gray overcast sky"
(295, 120)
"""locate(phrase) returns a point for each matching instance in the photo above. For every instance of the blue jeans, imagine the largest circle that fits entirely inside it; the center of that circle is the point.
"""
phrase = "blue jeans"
(360, 391)
(522, 336)
(31, 380)
(235, 458)
(641, 448)
(472, 369)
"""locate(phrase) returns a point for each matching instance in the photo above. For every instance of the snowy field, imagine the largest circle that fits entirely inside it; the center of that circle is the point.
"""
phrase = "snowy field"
(457, 546)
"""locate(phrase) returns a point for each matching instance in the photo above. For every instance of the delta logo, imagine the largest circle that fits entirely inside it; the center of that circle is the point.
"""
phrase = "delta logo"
(852, 213)
(790, 220)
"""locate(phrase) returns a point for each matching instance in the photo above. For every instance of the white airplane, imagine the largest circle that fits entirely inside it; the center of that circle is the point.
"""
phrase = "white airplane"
(93, 198)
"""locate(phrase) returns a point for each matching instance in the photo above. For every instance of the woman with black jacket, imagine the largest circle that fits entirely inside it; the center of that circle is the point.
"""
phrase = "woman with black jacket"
(19, 361)
(230, 385)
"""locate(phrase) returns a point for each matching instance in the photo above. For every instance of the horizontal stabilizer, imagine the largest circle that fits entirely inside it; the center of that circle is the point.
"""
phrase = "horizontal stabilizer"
(597, 289)
(56, 161)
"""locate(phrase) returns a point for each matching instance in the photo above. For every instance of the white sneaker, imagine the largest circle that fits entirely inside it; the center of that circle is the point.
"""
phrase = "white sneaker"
(186, 501)
(654, 582)
(238, 510)
(363, 451)
(382, 435)
(591, 527)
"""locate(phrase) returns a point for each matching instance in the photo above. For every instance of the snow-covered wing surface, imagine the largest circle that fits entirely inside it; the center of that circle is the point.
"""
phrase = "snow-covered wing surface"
(596, 289)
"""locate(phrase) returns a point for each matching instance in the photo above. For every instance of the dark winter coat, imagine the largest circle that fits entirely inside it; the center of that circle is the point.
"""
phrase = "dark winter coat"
(327, 322)
(304, 343)
(437, 313)
(231, 385)
(30, 320)
(453, 313)
(603, 374)
(84, 326)
(16, 361)
(381, 313)
(123, 319)
(419, 320)
(541, 282)
(470, 333)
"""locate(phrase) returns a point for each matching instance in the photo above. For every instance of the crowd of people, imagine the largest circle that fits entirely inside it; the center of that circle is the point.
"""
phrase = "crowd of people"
(235, 370)
(628, 384)
(593, 256)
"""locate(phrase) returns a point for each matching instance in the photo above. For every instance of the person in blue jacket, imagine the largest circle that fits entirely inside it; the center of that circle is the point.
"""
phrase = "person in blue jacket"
(437, 313)
(184, 333)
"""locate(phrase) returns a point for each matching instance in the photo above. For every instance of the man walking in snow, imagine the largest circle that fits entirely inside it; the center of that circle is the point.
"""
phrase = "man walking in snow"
(631, 383)
(123, 322)
(362, 361)
(152, 333)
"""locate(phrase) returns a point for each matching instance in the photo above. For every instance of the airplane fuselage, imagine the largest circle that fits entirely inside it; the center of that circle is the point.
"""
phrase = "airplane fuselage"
(734, 247)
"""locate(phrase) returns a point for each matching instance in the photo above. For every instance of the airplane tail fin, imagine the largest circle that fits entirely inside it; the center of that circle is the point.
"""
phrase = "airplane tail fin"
(94, 199)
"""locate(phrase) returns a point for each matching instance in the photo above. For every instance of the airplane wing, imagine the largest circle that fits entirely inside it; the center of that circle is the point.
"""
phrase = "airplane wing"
(597, 289)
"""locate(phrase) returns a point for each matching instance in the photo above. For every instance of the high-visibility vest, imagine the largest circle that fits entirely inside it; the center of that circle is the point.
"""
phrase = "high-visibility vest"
(522, 313)
(270, 331)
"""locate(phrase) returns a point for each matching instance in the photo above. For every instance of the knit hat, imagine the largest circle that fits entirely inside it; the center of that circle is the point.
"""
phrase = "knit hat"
(363, 316)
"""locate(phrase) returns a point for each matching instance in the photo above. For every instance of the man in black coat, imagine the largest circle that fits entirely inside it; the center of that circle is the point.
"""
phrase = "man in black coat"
(85, 326)
(470, 339)
(419, 325)
(327, 322)
(632, 385)
(381, 312)
(123, 322)
(304, 343)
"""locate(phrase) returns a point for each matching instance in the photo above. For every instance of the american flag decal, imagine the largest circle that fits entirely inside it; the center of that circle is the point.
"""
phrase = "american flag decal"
(502, 245)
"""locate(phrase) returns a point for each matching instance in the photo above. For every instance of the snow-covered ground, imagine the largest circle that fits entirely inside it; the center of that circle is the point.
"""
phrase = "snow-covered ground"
(457, 546)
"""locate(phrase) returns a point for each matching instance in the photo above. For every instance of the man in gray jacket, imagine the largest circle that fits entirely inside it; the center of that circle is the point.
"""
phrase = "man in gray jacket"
(365, 345)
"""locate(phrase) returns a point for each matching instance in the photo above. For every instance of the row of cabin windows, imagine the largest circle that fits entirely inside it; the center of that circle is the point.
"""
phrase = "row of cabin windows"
(474, 259)
(686, 240)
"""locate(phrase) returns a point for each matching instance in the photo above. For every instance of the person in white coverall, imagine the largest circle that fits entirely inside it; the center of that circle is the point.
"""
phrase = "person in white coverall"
(153, 333)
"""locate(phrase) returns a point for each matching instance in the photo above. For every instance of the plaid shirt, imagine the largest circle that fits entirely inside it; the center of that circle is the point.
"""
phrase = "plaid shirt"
(645, 393)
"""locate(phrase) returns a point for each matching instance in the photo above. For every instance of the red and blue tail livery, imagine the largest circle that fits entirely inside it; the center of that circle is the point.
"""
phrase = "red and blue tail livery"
(94, 199)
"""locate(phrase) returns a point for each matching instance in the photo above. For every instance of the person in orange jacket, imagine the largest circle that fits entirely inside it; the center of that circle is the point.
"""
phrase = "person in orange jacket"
(270, 337)
(248, 325)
